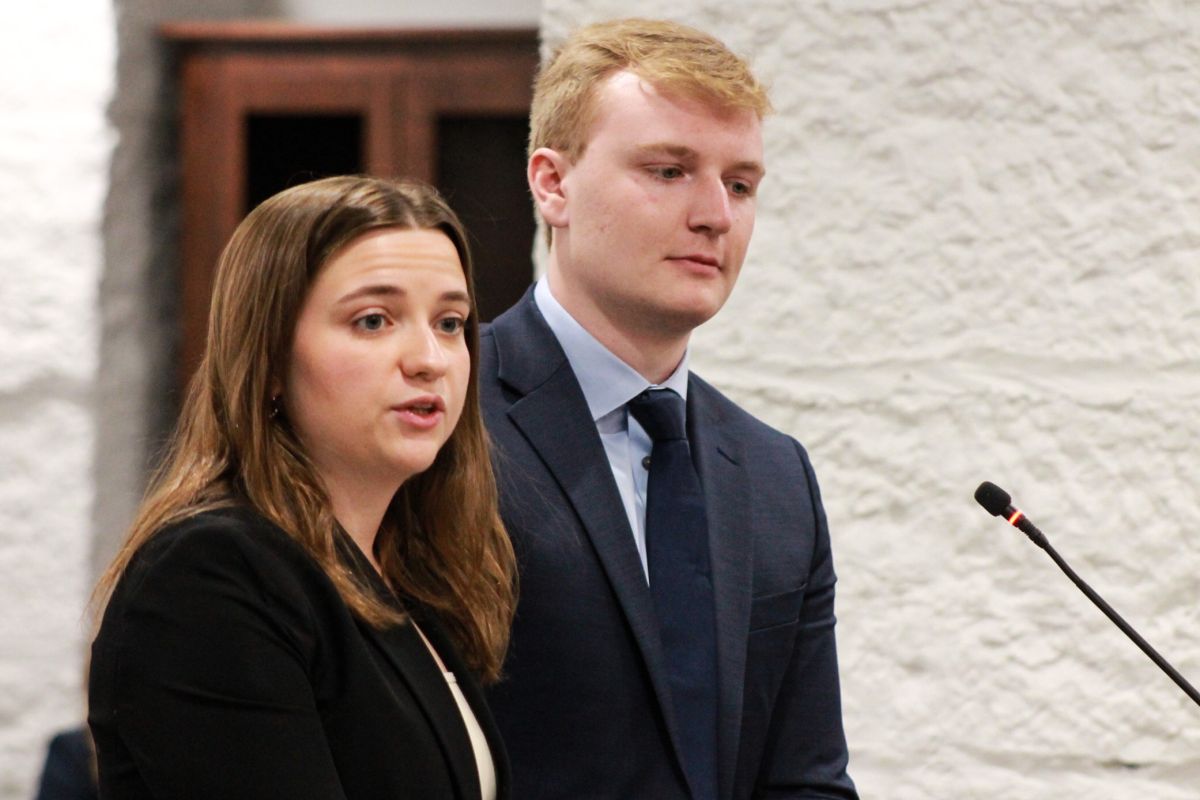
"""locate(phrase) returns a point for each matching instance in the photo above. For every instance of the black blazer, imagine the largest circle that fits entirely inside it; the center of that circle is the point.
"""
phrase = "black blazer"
(227, 666)
(585, 709)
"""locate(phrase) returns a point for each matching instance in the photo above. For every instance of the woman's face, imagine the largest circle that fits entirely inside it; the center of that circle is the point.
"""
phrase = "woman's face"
(379, 363)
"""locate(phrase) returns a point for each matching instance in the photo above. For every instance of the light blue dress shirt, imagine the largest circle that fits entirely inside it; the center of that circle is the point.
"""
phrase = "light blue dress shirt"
(609, 383)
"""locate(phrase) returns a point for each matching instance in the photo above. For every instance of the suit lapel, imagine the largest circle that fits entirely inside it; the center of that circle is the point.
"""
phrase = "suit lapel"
(403, 649)
(727, 499)
(554, 417)
(474, 694)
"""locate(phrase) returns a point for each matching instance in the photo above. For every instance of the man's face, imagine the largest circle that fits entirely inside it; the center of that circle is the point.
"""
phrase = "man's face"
(657, 212)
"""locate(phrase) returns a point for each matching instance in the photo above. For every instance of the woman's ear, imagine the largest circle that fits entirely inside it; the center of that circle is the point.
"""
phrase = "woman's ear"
(546, 172)
(275, 396)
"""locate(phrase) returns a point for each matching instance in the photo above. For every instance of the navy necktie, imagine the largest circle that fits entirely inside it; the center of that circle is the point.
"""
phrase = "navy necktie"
(681, 582)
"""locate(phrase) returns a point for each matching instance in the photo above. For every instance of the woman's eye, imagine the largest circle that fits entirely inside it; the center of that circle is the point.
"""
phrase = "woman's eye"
(451, 324)
(370, 322)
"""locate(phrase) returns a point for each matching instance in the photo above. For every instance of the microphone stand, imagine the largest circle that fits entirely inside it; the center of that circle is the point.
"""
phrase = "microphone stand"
(1110, 612)
(998, 503)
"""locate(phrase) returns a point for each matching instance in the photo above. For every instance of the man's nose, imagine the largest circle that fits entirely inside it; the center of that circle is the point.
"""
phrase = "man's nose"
(710, 210)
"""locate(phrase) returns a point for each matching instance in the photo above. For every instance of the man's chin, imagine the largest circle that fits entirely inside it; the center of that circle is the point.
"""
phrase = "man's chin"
(681, 319)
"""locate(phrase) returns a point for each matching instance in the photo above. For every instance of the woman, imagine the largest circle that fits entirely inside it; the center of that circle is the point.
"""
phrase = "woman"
(318, 574)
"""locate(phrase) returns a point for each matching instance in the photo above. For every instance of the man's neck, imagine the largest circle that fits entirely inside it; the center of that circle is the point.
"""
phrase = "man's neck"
(652, 354)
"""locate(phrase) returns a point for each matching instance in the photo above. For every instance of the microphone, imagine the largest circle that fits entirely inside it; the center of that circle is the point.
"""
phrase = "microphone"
(998, 503)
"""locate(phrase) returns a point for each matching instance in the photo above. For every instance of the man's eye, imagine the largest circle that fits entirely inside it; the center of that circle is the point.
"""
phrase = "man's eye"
(669, 173)
(370, 322)
(741, 188)
(451, 324)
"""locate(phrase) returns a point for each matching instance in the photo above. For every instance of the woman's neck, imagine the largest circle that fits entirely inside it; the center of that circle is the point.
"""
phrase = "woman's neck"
(359, 509)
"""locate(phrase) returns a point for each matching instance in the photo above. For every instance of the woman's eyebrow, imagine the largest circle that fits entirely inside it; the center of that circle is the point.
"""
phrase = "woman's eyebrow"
(372, 290)
(392, 290)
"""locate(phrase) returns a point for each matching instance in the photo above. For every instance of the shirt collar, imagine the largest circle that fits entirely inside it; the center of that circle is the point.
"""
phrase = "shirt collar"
(608, 383)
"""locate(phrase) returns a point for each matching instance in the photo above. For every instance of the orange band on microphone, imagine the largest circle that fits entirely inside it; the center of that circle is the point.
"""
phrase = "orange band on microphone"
(1015, 518)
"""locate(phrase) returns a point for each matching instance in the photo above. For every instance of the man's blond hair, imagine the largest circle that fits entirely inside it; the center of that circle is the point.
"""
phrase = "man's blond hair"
(670, 56)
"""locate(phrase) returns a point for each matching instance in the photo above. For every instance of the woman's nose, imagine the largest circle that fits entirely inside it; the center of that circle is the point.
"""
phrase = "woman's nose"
(423, 355)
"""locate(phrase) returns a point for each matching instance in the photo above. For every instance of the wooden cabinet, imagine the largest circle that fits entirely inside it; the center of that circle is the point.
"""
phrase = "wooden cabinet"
(267, 105)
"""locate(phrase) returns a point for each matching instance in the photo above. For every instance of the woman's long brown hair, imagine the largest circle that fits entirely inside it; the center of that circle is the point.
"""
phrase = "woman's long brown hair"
(441, 541)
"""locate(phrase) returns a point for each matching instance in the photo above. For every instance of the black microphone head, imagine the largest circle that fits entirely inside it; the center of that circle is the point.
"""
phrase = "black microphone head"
(993, 498)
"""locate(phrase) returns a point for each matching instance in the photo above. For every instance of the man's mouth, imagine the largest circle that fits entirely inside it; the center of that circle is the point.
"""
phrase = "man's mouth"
(699, 258)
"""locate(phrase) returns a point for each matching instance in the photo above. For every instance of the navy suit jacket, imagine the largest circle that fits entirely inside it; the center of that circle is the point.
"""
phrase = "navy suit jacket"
(69, 773)
(584, 707)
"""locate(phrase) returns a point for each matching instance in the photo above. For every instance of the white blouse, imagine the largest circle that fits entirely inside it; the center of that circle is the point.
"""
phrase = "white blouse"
(483, 753)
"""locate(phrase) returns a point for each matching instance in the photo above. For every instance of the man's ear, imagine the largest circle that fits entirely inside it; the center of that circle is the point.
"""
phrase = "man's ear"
(546, 171)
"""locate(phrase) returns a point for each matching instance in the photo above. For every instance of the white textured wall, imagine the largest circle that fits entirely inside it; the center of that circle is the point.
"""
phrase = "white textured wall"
(56, 76)
(136, 391)
(86, 329)
(978, 257)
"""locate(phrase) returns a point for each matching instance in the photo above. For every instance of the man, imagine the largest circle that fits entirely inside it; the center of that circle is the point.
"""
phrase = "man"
(674, 636)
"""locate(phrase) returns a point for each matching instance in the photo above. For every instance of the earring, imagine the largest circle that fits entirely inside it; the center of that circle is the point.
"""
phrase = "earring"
(276, 407)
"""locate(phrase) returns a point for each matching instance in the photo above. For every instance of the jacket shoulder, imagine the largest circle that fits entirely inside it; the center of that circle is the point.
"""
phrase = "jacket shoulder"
(216, 553)
(230, 529)
(751, 430)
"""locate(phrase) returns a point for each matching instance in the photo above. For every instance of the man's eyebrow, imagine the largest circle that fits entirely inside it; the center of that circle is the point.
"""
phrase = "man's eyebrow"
(684, 152)
(675, 150)
(753, 167)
